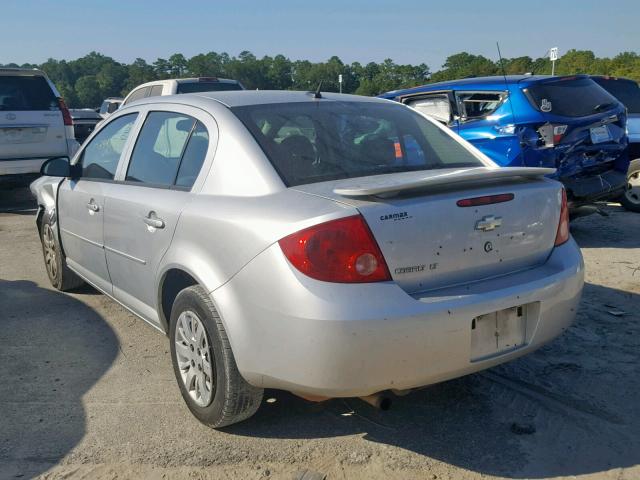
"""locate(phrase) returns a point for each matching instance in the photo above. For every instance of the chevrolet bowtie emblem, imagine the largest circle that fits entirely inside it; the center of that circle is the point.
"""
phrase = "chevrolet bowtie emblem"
(488, 223)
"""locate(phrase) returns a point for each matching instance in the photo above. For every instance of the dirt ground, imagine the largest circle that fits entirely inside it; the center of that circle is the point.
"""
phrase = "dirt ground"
(87, 391)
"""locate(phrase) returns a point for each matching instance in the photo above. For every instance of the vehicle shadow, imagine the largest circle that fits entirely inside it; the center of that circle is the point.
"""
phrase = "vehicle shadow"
(567, 409)
(620, 229)
(53, 348)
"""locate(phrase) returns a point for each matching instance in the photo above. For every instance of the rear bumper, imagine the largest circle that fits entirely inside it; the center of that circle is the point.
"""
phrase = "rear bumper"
(345, 340)
(608, 185)
(21, 167)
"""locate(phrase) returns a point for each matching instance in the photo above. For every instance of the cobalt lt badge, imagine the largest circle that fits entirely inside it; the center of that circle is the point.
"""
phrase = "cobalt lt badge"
(488, 247)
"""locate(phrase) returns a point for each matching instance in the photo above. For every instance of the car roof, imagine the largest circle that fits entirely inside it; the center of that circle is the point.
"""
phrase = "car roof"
(240, 98)
(608, 78)
(21, 71)
(492, 82)
(185, 80)
(205, 80)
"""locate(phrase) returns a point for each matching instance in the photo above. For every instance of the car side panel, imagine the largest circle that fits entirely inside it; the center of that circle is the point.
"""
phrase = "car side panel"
(217, 236)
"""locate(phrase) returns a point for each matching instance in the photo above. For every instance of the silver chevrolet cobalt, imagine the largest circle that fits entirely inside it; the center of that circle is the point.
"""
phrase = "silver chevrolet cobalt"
(328, 245)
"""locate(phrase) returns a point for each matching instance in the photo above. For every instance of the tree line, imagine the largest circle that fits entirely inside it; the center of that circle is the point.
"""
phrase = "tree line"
(86, 81)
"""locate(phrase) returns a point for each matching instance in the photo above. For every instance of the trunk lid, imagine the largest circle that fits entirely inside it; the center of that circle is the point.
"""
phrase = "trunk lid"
(429, 242)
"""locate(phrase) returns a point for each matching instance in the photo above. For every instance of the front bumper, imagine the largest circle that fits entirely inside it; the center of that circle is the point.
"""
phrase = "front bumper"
(345, 340)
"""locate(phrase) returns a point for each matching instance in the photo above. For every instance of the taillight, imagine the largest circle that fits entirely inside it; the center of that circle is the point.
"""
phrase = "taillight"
(66, 115)
(552, 134)
(558, 133)
(342, 250)
(562, 234)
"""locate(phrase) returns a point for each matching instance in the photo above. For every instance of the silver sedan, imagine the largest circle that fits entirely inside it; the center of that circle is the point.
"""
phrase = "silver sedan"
(329, 245)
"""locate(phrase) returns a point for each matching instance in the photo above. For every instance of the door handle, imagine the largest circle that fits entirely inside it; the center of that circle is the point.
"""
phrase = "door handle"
(93, 206)
(153, 221)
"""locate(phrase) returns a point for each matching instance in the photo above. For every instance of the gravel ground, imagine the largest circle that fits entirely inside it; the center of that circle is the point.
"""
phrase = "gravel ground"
(87, 391)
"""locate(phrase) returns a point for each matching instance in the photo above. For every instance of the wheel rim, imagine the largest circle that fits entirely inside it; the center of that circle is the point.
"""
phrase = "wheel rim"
(633, 188)
(193, 355)
(50, 254)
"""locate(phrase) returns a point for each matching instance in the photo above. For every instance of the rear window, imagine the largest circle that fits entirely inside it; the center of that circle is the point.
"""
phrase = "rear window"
(311, 142)
(194, 87)
(26, 93)
(574, 97)
(627, 91)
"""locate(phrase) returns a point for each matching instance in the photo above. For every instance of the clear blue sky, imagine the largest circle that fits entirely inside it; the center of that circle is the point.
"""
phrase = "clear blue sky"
(356, 30)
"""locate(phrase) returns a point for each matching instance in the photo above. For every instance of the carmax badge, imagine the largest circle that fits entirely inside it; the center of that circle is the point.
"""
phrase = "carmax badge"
(488, 223)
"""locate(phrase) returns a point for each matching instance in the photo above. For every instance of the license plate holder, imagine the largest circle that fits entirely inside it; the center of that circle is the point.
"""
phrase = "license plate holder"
(600, 134)
(498, 332)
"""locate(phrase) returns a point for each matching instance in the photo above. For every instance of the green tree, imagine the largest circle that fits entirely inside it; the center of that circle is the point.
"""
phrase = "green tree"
(137, 73)
(177, 65)
(463, 65)
(88, 91)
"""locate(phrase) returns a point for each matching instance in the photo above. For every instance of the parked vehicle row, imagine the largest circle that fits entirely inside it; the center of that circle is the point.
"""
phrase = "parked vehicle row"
(566, 123)
(279, 238)
(325, 244)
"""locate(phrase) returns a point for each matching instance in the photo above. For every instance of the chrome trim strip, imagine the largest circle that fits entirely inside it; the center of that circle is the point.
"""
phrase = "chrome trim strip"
(95, 244)
(126, 255)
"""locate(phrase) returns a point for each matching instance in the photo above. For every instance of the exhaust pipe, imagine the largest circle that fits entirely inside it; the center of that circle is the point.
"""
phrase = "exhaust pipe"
(378, 400)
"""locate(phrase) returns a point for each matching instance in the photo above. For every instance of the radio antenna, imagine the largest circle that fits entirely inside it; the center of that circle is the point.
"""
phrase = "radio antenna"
(506, 84)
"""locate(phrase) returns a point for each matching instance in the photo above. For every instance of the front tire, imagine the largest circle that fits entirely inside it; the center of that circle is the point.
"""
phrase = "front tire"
(203, 363)
(60, 276)
(631, 197)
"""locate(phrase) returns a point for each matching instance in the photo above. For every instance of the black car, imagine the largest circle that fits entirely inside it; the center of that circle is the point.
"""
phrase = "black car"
(84, 122)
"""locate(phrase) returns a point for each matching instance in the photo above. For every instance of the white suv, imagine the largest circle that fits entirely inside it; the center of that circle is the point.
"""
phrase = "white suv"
(35, 124)
(181, 85)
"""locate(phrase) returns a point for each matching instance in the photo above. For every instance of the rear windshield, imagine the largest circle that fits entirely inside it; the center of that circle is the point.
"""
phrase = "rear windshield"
(194, 87)
(26, 93)
(311, 142)
(575, 97)
(627, 91)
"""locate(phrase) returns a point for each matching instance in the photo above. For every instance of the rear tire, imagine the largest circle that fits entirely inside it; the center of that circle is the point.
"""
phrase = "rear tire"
(60, 275)
(203, 363)
(631, 197)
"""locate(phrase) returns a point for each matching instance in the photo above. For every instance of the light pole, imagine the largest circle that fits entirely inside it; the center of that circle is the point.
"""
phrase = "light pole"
(340, 82)
(553, 56)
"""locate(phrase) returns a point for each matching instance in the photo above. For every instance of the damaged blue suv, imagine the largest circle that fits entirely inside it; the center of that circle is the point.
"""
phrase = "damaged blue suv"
(568, 123)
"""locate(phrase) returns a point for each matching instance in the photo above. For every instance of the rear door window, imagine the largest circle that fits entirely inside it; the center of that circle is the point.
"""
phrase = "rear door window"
(193, 157)
(138, 94)
(155, 91)
(570, 97)
(473, 105)
(169, 151)
(436, 106)
(24, 93)
(101, 156)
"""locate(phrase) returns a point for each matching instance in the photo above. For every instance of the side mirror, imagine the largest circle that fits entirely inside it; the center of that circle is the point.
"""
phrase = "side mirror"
(60, 167)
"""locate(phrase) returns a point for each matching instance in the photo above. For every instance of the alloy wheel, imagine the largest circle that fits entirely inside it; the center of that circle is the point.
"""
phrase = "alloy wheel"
(633, 187)
(50, 253)
(193, 354)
